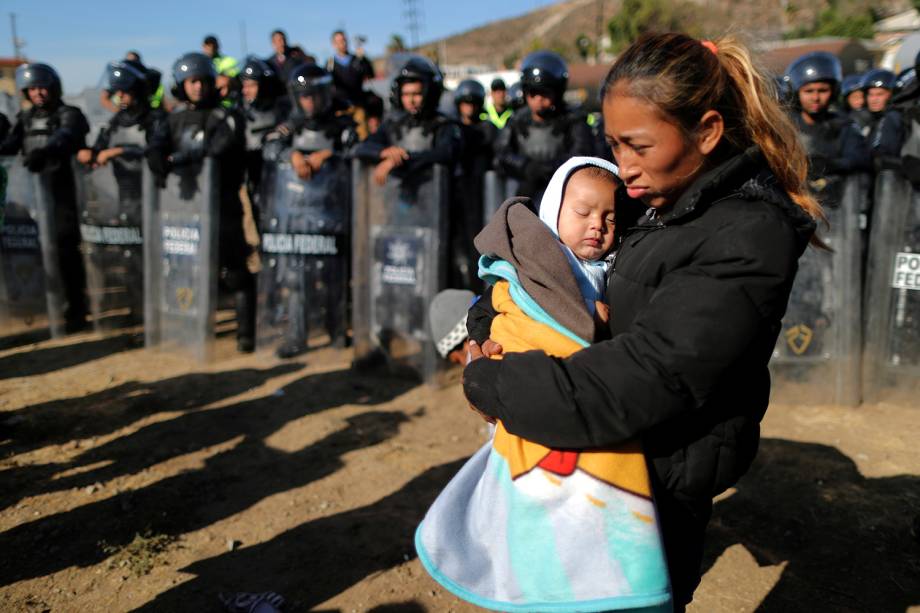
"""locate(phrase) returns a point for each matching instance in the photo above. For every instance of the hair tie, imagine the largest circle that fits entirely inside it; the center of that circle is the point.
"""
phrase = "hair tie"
(711, 46)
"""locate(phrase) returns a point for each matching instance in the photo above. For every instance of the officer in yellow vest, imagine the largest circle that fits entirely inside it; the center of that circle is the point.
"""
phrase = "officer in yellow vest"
(497, 110)
(227, 70)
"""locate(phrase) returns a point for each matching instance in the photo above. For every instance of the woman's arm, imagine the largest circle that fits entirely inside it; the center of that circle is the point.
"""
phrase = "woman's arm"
(701, 319)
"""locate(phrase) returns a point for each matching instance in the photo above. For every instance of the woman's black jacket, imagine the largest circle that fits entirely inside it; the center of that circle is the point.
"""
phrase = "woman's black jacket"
(696, 297)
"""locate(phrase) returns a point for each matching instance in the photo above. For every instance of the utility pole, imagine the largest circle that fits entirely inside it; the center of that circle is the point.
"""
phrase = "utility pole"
(599, 31)
(18, 44)
(243, 38)
(412, 13)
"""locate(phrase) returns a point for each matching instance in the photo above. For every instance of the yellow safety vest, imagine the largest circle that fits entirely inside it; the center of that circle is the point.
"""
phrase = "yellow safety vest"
(226, 65)
(498, 119)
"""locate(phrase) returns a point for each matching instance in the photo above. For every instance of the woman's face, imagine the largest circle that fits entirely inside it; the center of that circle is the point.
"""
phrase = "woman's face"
(657, 161)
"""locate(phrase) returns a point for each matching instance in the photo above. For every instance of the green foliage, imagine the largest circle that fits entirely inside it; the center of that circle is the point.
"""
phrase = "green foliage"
(636, 17)
(396, 45)
(832, 22)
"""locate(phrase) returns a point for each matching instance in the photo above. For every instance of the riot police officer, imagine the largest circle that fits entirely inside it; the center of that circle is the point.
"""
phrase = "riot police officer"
(878, 85)
(48, 134)
(203, 127)
(264, 108)
(833, 141)
(540, 137)
(477, 151)
(853, 102)
(316, 131)
(516, 100)
(497, 108)
(415, 136)
(111, 214)
(304, 289)
(128, 133)
(837, 155)
(892, 322)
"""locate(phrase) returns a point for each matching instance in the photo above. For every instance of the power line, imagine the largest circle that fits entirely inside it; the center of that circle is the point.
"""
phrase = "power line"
(412, 11)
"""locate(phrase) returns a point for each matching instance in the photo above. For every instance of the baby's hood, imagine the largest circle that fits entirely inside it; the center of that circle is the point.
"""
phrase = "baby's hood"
(552, 197)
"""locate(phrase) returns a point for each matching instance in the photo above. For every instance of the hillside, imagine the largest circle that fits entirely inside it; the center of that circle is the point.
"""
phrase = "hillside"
(501, 43)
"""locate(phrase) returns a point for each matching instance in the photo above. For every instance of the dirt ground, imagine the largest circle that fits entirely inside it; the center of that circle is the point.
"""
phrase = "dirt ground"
(134, 480)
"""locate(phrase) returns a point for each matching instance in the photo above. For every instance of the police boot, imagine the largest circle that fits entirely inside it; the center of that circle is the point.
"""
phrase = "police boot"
(245, 299)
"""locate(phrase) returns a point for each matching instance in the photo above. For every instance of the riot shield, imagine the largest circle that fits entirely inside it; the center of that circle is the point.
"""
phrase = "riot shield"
(891, 365)
(110, 225)
(303, 284)
(180, 260)
(30, 293)
(817, 358)
(399, 263)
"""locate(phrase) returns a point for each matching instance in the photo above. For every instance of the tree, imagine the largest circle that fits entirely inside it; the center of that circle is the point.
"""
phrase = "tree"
(396, 44)
(636, 17)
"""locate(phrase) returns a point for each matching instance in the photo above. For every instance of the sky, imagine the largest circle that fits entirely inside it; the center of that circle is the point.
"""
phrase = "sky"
(79, 37)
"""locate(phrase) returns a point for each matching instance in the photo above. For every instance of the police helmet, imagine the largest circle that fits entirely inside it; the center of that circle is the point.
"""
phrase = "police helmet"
(544, 72)
(783, 89)
(905, 78)
(422, 70)
(470, 90)
(815, 67)
(256, 70)
(850, 84)
(879, 77)
(123, 77)
(516, 96)
(38, 75)
(315, 81)
(193, 65)
(270, 85)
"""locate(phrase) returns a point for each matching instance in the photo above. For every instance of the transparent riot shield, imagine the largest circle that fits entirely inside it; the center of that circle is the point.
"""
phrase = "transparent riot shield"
(891, 364)
(303, 284)
(180, 260)
(24, 299)
(817, 359)
(110, 226)
(399, 263)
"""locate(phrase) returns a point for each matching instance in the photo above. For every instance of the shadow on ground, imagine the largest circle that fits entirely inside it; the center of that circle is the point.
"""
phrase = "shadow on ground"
(850, 542)
(317, 560)
(229, 482)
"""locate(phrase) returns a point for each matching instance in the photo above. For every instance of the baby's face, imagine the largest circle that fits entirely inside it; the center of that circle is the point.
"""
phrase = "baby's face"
(586, 219)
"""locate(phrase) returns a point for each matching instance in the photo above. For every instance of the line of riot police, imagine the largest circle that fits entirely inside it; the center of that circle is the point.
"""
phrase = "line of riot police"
(844, 334)
(271, 202)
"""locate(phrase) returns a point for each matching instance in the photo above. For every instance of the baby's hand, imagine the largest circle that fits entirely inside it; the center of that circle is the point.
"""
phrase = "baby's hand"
(601, 312)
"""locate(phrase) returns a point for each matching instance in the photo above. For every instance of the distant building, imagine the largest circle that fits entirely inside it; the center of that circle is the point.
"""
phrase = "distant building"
(855, 55)
(8, 67)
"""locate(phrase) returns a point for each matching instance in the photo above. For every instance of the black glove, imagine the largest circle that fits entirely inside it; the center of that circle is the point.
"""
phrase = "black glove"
(35, 160)
(817, 165)
(183, 158)
(158, 164)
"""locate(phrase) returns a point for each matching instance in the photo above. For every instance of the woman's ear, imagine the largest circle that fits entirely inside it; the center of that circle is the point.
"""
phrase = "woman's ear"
(709, 132)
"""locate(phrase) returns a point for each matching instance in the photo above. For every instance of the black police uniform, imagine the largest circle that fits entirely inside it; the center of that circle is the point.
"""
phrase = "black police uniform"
(49, 137)
(262, 116)
(209, 129)
(530, 150)
(476, 157)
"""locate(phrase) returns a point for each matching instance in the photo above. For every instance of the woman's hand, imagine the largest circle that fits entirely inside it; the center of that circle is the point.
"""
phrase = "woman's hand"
(477, 352)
